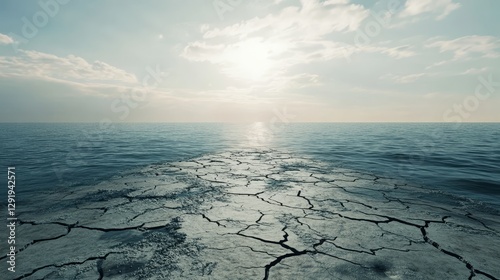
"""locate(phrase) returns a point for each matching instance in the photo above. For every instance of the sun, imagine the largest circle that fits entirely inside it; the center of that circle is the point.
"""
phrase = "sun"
(250, 60)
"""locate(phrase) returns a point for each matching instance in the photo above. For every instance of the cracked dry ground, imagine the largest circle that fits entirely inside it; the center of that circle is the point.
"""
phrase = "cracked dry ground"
(254, 215)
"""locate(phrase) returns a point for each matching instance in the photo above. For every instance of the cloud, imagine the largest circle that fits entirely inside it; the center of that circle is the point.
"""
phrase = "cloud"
(332, 50)
(441, 8)
(268, 48)
(406, 79)
(201, 51)
(474, 71)
(403, 79)
(436, 64)
(468, 46)
(286, 82)
(5, 40)
(70, 68)
(310, 21)
(336, 2)
(399, 52)
(346, 50)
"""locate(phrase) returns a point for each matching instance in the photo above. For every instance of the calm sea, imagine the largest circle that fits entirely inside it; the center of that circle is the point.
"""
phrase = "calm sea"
(461, 159)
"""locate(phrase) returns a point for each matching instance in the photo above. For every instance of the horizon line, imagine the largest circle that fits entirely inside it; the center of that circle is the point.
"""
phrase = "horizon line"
(250, 122)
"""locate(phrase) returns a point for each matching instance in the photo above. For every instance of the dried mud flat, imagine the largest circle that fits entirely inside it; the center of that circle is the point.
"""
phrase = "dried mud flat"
(254, 214)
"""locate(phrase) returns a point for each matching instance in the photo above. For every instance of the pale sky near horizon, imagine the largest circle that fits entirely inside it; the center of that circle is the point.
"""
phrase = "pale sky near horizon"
(255, 60)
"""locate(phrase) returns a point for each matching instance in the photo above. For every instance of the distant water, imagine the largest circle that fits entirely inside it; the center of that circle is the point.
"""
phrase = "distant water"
(461, 159)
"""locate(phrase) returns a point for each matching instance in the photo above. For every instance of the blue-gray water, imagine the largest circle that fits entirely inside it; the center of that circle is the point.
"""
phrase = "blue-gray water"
(461, 159)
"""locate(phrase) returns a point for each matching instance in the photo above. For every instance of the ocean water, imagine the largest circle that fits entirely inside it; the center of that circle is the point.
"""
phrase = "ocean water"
(462, 159)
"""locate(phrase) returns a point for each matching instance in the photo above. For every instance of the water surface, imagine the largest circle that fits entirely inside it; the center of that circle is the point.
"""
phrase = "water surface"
(463, 159)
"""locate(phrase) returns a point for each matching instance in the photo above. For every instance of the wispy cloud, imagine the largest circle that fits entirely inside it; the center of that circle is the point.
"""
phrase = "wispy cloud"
(5, 40)
(403, 79)
(71, 68)
(312, 20)
(474, 71)
(468, 46)
(439, 8)
(398, 52)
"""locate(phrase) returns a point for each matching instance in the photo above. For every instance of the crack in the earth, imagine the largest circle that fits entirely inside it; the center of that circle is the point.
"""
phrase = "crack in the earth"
(469, 215)
(311, 206)
(65, 264)
(212, 221)
(217, 179)
(473, 271)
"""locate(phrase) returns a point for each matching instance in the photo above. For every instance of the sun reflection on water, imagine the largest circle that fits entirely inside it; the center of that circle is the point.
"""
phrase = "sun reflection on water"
(259, 135)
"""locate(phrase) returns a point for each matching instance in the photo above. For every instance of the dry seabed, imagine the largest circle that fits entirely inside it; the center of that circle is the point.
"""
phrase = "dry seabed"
(254, 214)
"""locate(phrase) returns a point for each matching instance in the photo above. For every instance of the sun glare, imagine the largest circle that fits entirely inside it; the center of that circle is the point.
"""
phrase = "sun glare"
(250, 60)
(258, 135)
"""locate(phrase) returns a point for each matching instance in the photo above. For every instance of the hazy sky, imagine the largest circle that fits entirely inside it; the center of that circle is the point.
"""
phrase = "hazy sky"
(254, 60)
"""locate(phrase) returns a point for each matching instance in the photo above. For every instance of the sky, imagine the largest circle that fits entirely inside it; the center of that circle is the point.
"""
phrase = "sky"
(249, 61)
